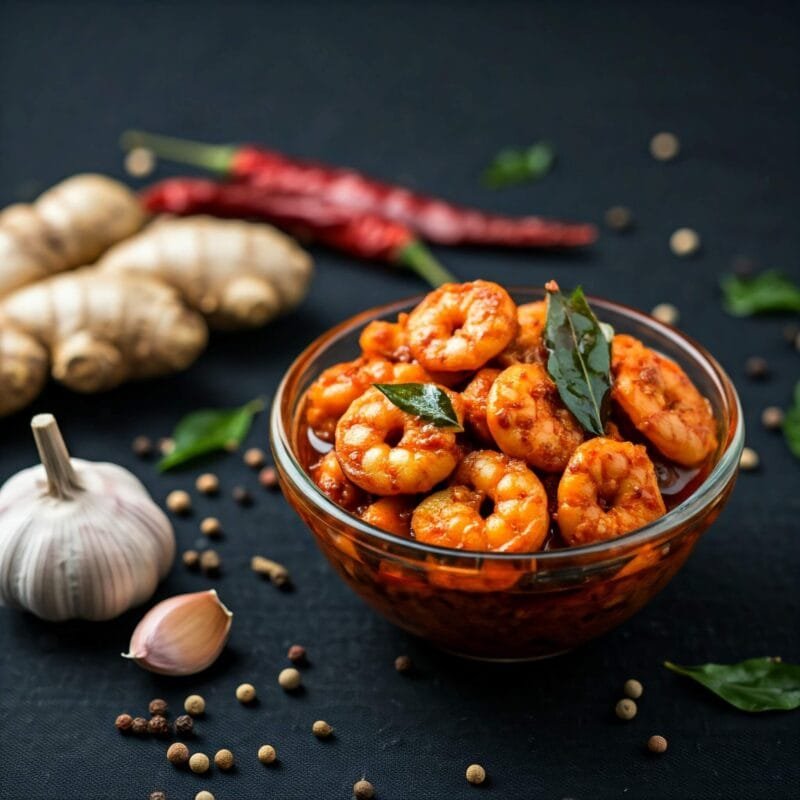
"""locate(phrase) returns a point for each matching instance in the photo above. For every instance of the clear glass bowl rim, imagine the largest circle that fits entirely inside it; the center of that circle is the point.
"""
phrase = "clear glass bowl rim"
(674, 520)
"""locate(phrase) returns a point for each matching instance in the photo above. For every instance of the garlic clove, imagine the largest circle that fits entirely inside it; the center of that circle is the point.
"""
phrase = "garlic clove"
(181, 635)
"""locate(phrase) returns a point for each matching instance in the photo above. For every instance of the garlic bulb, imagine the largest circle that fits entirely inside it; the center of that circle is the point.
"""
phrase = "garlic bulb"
(78, 539)
(181, 635)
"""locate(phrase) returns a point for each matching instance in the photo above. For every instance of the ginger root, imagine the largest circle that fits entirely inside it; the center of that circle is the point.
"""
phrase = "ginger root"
(237, 274)
(23, 368)
(69, 225)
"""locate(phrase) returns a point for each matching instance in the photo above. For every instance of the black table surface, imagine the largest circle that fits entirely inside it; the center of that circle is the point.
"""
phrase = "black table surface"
(425, 94)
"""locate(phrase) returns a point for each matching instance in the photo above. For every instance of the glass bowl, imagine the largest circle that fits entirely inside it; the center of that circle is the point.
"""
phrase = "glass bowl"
(498, 606)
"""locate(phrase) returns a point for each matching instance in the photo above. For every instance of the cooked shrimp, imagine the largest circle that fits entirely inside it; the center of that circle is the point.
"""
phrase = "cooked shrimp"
(608, 488)
(387, 451)
(392, 514)
(527, 347)
(384, 339)
(662, 402)
(331, 394)
(328, 475)
(474, 397)
(528, 420)
(518, 522)
(461, 326)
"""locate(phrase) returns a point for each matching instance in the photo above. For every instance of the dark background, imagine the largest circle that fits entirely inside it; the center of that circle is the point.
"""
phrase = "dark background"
(425, 94)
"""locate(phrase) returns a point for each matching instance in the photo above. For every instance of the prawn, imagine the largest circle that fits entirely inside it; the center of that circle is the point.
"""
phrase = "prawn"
(518, 522)
(528, 420)
(387, 340)
(388, 451)
(333, 391)
(662, 402)
(474, 397)
(327, 474)
(527, 347)
(461, 326)
(609, 488)
(392, 514)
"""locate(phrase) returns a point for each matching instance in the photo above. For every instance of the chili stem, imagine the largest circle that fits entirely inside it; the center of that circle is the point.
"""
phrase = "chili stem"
(419, 259)
(216, 158)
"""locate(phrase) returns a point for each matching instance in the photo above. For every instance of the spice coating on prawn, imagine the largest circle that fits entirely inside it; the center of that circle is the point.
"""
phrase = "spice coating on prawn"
(662, 402)
(528, 346)
(609, 488)
(391, 514)
(528, 420)
(518, 522)
(389, 340)
(422, 456)
(330, 478)
(461, 326)
(475, 396)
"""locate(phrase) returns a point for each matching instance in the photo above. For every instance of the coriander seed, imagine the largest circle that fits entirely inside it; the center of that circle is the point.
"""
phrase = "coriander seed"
(626, 709)
(139, 726)
(204, 794)
(756, 368)
(290, 679)
(666, 313)
(194, 705)
(772, 418)
(140, 162)
(199, 763)
(142, 446)
(749, 459)
(158, 707)
(363, 790)
(402, 664)
(207, 483)
(619, 219)
(245, 693)
(179, 502)
(191, 559)
(657, 744)
(254, 457)
(157, 795)
(242, 496)
(224, 759)
(296, 654)
(321, 729)
(633, 688)
(684, 242)
(158, 726)
(267, 754)
(268, 478)
(184, 725)
(166, 445)
(476, 774)
(210, 562)
(664, 146)
(211, 526)
(178, 754)
(123, 723)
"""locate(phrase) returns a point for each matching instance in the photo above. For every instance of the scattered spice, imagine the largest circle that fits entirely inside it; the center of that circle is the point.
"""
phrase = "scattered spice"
(268, 478)
(199, 763)
(211, 526)
(184, 725)
(749, 459)
(363, 790)
(756, 368)
(267, 754)
(158, 707)
(633, 688)
(666, 313)
(166, 445)
(242, 496)
(743, 266)
(619, 219)
(224, 759)
(625, 709)
(476, 774)
(158, 726)
(207, 483)
(123, 723)
(178, 754)
(142, 446)
(139, 726)
(204, 794)
(276, 572)
(245, 693)
(321, 729)
(684, 242)
(297, 654)
(194, 705)
(290, 679)
(657, 744)
(157, 795)
(402, 664)
(772, 418)
(210, 562)
(140, 162)
(254, 457)
(191, 559)
(664, 146)
(179, 502)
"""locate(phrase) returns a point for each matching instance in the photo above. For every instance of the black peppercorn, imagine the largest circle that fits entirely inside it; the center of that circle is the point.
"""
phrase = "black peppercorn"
(184, 724)
(142, 446)
(756, 368)
(124, 722)
(157, 796)
(139, 726)
(158, 726)
(158, 707)
(402, 663)
(242, 496)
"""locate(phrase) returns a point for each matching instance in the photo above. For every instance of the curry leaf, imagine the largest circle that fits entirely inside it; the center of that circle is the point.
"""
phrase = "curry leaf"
(208, 430)
(515, 166)
(580, 358)
(758, 684)
(424, 400)
(791, 424)
(768, 292)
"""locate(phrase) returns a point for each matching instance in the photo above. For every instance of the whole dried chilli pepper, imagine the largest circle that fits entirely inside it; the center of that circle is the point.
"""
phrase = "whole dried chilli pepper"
(366, 236)
(431, 218)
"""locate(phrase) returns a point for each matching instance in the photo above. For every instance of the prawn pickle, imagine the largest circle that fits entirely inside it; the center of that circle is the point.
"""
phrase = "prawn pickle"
(517, 473)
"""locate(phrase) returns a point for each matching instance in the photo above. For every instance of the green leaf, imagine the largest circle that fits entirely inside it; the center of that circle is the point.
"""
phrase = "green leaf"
(580, 358)
(209, 430)
(424, 400)
(758, 684)
(791, 424)
(768, 292)
(516, 166)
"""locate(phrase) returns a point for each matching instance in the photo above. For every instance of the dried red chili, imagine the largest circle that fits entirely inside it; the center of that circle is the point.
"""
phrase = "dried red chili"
(431, 218)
